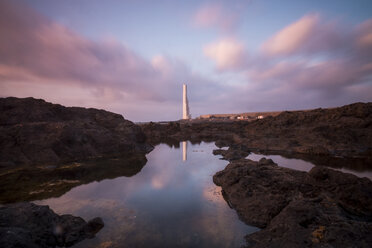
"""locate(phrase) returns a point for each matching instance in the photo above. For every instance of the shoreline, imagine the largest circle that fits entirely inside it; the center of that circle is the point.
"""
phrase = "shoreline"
(291, 202)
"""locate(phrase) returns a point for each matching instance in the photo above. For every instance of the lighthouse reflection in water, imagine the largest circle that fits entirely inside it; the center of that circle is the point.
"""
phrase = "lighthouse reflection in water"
(170, 202)
(184, 150)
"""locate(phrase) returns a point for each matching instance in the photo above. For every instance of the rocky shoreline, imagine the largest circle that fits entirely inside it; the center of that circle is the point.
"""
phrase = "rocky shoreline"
(321, 208)
(340, 132)
(34, 132)
(47, 149)
(37, 183)
(31, 226)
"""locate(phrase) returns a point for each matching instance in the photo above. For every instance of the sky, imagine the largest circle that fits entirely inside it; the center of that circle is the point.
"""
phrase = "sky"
(132, 56)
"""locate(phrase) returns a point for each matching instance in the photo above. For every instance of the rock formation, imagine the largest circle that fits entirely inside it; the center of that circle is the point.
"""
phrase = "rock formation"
(36, 183)
(322, 208)
(345, 131)
(28, 225)
(35, 132)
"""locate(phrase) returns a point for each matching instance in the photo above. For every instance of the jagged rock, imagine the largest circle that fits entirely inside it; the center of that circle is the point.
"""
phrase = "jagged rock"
(234, 152)
(28, 225)
(322, 208)
(35, 132)
(345, 131)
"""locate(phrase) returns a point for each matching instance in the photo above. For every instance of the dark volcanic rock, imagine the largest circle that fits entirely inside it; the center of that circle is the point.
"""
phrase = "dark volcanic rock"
(322, 208)
(345, 131)
(234, 152)
(33, 131)
(36, 183)
(28, 225)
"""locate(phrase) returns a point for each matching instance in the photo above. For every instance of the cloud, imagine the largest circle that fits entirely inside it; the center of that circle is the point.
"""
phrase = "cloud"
(32, 46)
(322, 56)
(217, 16)
(309, 35)
(228, 53)
(42, 58)
(363, 43)
(311, 62)
(364, 31)
(291, 37)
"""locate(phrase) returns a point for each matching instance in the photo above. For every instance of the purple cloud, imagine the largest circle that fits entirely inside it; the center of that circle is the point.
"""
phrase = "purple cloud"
(42, 58)
(311, 57)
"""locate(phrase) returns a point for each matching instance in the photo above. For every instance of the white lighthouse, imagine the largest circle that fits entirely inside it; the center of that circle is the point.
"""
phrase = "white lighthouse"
(185, 104)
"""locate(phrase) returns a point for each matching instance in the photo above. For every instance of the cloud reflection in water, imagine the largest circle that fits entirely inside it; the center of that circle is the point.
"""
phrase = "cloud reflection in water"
(171, 202)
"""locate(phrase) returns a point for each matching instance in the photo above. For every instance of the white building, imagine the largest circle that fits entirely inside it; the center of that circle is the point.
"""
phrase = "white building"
(185, 104)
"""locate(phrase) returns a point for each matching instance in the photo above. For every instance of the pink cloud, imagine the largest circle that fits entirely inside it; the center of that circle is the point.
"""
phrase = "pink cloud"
(363, 42)
(215, 16)
(365, 34)
(329, 57)
(44, 59)
(311, 62)
(279, 70)
(46, 50)
(309, 35)
(291, 37)
(228, 53)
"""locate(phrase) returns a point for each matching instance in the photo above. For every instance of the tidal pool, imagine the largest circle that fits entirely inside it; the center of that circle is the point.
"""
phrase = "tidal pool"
(171, 202)
(302, 165)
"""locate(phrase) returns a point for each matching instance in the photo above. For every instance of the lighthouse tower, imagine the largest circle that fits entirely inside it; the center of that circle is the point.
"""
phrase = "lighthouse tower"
(185, 104)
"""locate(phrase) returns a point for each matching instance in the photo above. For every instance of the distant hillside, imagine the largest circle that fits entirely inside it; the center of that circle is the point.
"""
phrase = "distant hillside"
(249, 115)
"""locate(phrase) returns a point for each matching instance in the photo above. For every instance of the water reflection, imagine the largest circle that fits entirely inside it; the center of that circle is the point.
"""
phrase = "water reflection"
(170, 203)
(33, 183)
(184, 150)
(302, 165)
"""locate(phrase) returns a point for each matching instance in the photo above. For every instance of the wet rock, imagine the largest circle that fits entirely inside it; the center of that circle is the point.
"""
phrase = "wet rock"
(35, 132)
(36, 183)
(221, 143)
(29, 225)
(234, 152)
(93, 226)
(322, 208)
(312, 223)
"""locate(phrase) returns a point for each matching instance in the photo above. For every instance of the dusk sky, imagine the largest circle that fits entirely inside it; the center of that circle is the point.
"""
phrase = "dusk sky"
(131, 57)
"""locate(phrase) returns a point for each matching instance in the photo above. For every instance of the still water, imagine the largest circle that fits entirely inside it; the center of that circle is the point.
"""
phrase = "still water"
(302, 165)
(171, 202)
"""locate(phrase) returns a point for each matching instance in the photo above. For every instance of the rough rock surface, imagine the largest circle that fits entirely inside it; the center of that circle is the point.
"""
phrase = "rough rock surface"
(36, 183)
(322, 208)
(234, 152)
(345, 131)
(30, 226)
(35, 132)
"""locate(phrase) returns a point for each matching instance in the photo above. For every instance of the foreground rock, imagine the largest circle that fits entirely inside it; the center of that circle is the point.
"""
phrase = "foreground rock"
(30, 226)
(35, 183)
(34, 132)
(322, 208)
